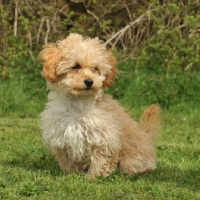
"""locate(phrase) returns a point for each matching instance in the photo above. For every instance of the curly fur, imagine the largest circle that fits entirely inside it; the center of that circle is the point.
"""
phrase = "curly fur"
(87, 131)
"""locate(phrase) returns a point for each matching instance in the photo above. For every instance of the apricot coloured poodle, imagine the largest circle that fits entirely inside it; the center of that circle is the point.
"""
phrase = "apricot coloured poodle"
(86, 130)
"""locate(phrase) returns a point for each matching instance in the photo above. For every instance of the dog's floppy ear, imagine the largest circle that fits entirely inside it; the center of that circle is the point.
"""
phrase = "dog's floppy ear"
(51, 57)
(111, 75)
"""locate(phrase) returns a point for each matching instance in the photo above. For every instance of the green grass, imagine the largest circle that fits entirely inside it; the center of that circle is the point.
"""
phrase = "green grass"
(28, 171)
(18, 98)
(23, 94)
(137, 87)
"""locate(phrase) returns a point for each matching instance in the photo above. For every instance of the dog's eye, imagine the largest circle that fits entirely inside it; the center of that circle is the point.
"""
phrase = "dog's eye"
(95, 69)
(77, 66)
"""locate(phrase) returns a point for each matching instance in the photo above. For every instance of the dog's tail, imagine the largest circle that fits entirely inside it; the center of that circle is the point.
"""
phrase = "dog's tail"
(150, 121)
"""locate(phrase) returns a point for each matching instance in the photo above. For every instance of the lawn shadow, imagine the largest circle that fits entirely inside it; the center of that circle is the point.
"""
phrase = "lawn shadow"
(43, 162)
(189, 179)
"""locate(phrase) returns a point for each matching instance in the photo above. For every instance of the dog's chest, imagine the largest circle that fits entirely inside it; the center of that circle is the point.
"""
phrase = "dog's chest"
(81, 128)
(82, 131)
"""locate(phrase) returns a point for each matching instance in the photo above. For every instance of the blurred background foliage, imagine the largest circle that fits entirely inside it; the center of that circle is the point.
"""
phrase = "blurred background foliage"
(156, 43)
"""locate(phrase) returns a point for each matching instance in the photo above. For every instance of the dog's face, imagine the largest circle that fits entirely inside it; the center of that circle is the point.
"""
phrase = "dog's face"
(78, 66)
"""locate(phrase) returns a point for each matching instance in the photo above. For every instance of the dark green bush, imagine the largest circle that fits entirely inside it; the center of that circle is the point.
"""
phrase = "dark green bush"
(152, 33)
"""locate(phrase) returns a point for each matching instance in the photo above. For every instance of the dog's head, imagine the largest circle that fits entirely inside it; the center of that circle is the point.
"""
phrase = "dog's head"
(77, 65)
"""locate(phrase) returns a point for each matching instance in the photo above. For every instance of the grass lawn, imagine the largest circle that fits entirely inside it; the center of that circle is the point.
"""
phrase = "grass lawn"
(28, 171)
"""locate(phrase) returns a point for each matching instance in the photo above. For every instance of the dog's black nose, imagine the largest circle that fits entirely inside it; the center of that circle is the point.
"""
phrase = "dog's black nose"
(88, 82)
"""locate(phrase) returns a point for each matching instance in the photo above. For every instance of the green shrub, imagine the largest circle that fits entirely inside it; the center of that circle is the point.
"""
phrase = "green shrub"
(161, 32)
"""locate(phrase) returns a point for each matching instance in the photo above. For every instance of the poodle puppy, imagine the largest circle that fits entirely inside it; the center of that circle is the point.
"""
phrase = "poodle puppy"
(86, 130)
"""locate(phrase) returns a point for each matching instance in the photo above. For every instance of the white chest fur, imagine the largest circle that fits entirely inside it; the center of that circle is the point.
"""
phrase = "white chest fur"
(78, 125)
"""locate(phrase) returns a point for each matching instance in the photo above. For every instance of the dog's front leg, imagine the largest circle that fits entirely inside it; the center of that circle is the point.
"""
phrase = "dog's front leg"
(102, 164)
(66, 164)
(62, 157)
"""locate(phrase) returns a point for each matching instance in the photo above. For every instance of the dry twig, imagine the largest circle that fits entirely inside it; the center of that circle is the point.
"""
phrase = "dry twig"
(16, 17)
